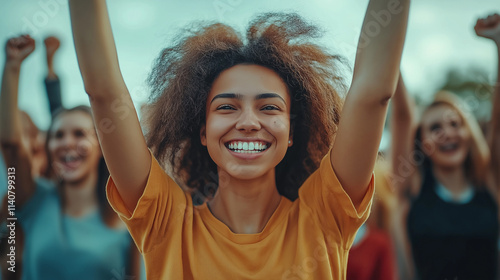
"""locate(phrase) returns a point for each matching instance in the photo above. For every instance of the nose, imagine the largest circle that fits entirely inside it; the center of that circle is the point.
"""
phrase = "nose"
(450, 131)
(248, 121)
(68, 141)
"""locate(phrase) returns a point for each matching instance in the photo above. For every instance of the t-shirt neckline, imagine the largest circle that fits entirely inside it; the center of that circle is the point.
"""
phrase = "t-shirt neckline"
(276, 218)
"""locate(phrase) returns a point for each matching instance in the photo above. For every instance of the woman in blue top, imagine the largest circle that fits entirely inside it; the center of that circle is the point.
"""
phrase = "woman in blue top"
(70, 232)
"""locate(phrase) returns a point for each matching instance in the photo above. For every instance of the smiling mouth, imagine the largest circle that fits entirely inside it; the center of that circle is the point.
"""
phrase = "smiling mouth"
(247, 147)
(71, 161)
(451, 147)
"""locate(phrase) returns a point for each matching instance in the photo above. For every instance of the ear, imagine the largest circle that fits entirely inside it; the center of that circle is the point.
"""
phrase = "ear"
(290, 136)
(203, 135)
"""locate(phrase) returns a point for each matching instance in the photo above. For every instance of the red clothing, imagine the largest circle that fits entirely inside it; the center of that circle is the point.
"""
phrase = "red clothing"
(372, 258)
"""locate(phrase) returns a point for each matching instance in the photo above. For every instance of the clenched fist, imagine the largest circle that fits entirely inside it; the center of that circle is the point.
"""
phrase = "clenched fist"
(489, 27)
(18, 48)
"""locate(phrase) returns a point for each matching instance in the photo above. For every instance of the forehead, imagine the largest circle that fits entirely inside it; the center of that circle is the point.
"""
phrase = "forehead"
(441, 113)
(73, 120)
(249, 79)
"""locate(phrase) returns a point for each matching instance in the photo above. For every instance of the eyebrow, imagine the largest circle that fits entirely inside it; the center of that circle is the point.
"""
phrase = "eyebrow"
(240, 96)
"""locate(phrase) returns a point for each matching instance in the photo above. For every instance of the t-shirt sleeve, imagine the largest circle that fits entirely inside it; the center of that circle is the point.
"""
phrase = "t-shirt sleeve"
(323, 194)
(160, 209)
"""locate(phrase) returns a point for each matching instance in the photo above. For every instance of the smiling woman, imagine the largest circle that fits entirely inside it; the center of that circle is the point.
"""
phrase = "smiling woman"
(70, 231)
(248, 123)
(258, 115)
(309, 94)
(451, 186)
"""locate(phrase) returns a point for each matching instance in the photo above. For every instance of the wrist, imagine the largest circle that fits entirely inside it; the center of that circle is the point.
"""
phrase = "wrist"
(12, 64)
(51, 75)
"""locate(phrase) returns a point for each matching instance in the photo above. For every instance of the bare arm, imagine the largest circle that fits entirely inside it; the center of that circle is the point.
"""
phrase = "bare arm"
(120, 135)
(375, 77)
(490, 28)
(402, 136)
(15, 152)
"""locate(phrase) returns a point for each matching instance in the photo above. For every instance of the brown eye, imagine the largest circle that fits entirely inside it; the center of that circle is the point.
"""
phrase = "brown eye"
(454, 124)
(270, 107)
(79, 133)
(435, 127)
(59, 134)
(225, 107)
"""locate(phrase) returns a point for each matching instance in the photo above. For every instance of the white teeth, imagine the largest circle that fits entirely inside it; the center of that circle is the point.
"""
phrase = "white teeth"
(70, 158)
(247, 147)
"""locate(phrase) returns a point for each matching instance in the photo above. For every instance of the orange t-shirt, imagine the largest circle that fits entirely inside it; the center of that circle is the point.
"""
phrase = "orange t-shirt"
(305, 239)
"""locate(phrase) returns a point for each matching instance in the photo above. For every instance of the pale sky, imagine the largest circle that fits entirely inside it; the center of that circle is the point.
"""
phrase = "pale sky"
(440, 36)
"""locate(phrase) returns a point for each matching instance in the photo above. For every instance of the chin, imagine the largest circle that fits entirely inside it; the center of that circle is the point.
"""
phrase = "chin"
(241, 172)
(451, 162)
(71, 176)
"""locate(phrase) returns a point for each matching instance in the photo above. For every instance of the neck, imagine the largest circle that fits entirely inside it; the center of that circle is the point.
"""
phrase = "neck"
(80, 196)
(245, 206)
(453, 179)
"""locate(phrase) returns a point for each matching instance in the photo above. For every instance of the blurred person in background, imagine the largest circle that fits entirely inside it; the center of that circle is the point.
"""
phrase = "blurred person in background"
(372, 255)
(447, 177)
(70, 231)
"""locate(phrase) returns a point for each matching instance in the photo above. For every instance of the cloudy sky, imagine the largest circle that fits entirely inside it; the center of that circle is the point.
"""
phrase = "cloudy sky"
(440, 37)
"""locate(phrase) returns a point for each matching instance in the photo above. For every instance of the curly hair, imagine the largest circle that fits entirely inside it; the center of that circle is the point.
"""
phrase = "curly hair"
(183, 74)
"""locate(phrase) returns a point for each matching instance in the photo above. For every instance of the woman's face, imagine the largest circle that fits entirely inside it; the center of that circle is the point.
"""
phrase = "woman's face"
(446, 138)
(247, 130)
(73, 146)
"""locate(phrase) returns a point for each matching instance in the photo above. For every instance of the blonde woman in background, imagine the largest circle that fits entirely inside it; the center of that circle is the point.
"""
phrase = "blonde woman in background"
(447, 175)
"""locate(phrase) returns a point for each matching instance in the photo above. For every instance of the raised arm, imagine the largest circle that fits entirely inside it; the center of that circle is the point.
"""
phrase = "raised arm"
(490, 28)
(402, 171)
(120, 135)
(52, 83)
(375, 77)
(14, 144)
(403, 126)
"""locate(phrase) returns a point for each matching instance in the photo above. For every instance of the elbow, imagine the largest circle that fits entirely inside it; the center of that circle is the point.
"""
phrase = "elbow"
(10, 147)
(96, 92)
(380, 96)
(385, 97)
(97, 88)
(94, 88)
(91, 90)
(386, 92)
(370, 95)
(10, 142)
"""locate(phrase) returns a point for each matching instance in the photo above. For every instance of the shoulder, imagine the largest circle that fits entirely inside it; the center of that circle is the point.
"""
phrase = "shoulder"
(45, 189)
(45, 184)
